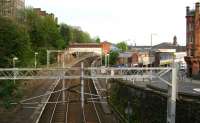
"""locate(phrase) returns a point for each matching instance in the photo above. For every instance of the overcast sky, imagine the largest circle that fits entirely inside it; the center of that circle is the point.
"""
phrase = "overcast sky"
(120, 20)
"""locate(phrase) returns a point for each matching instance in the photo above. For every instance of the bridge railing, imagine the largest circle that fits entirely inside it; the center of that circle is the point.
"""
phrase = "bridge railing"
(100, 72)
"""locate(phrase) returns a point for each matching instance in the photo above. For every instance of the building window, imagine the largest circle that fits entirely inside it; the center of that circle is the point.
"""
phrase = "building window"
(190, 27)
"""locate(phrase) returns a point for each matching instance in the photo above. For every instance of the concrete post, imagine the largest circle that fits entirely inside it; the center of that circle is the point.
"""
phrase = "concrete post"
(63, 80)
(14, 67)
(82, 86)
(15, 74)
(48, 52)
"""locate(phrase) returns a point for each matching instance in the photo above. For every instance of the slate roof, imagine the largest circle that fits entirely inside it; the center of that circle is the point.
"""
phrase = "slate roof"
(125, 55)
(167, 45)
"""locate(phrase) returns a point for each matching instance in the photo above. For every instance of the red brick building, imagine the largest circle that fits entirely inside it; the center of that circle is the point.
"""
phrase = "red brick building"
(128, 58)
(193, 40)
(44, 14)
(135, 58)
(106, 47)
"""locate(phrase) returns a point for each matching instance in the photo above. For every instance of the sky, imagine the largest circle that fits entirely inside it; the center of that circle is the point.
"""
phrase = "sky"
(133, 21)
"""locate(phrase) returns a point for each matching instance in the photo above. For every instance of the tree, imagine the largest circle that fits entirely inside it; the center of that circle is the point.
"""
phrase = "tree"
(113, 57)
(35, 29)
(51, 34)
(80, 36)
(97, 40)
(66, 33)
(14, 42)
(44, 33)
(72, 34)
(122, 46)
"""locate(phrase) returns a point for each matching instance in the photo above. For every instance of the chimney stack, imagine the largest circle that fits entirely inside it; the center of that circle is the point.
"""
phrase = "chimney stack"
(197, 5)
(187, 10)
(175, 41)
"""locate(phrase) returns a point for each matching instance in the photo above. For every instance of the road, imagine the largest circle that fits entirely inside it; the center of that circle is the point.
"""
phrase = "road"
(185, 85)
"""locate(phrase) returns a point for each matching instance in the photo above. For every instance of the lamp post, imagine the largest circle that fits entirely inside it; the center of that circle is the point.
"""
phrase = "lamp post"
(108, 55)
(36, 53)
(105, 60)
(14, 59)
(150, 56)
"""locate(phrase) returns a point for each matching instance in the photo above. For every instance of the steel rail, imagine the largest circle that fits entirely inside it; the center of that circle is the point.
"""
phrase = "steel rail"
(43, 108)
(67, 108)
(54, 109)
(86, 93)
(33, 103)
(98, 117)
(49, 93)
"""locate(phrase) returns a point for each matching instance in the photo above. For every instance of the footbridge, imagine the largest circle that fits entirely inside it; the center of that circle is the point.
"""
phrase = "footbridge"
(75, 50)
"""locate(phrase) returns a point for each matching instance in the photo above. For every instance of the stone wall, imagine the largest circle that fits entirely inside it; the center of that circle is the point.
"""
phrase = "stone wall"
(151, 107)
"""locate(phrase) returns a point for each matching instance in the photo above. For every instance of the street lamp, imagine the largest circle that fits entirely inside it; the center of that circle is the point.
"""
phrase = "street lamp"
(108, 55)
(150, 56)
(14, 59)
(36, 53)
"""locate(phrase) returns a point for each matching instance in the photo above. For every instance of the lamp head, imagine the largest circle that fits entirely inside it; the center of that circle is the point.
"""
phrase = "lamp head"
(15, 58)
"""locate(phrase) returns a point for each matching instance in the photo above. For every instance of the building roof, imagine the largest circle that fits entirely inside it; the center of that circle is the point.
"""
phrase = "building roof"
(140, 48)
(76, 45)
(168, 45)
(125, 55)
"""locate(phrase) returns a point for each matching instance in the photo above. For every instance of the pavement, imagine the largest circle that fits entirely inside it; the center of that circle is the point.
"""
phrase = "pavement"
(185, 86)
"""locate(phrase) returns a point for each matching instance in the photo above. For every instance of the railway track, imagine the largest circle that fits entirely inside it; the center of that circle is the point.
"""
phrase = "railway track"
(74, 112)
(51, 106)
(70, 111)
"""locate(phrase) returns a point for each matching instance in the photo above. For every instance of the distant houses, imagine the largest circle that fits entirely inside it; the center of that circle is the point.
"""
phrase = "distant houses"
(162, 54)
